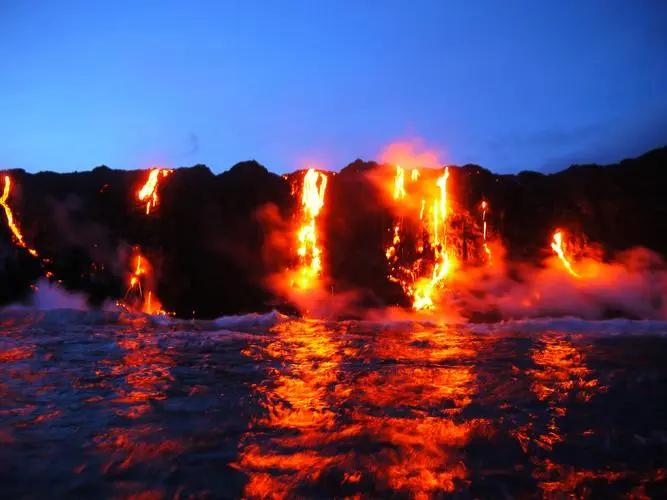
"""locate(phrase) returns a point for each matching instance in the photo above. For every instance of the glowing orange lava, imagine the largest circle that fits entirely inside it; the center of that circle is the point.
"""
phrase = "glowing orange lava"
(432, 260)
(13, 226)
(558, 246)
(399, 183)
(149, 191)
(424, 288)
(139, 296)
(485, 245)
(309, 250)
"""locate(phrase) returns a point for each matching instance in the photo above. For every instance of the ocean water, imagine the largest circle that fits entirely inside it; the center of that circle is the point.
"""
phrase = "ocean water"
(100, 404)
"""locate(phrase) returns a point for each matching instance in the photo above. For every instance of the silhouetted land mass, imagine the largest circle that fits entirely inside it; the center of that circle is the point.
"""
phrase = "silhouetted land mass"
(212, 241)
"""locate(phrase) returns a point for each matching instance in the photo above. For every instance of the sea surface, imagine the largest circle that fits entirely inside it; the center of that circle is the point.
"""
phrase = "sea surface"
(107, 405)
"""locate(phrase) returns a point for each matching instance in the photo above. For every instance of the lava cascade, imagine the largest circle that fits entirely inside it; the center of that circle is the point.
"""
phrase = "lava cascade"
(427, 265)
(309, 248)
(149, 191)
(487, 250)
(13, 226)
(558, 245)
(139, 295)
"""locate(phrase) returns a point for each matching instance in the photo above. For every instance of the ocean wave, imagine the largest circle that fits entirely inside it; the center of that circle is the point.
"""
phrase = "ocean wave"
(618, 326)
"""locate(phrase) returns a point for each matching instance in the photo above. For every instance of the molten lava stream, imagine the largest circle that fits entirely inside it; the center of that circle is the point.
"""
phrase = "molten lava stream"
(148, 304)
(139, 296)
(309, 250)
(149, 191)
(485, 245)
(558, 246)
(420, 277)
(399, 183)
(13, 226)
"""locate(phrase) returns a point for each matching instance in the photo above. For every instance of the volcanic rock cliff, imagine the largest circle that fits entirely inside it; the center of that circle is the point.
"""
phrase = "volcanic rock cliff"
(212, 243)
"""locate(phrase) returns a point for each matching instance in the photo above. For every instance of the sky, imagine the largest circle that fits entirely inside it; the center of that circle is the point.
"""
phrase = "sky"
(510, 85)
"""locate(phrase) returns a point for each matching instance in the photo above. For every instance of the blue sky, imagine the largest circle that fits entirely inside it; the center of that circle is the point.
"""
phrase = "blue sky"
(510, 85)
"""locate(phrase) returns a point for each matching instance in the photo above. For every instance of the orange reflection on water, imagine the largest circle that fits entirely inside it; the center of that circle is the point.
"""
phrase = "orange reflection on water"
(432, 381)
(16, 353)
(420, 453)
(379, 414)
(562, 373)
(146, 369)
(128, 447)
(560, 377)
(297, 407)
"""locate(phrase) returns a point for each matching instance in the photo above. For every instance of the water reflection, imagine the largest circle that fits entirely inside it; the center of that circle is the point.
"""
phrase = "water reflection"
(145, 369)
(411, 400)
(561, 379)
(283, 447)
(316, 409)
(560, 375)
(349, 414)
(140, 378)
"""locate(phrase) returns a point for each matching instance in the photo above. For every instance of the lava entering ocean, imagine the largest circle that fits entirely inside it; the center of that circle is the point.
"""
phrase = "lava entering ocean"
(139, 294)
(446, 262)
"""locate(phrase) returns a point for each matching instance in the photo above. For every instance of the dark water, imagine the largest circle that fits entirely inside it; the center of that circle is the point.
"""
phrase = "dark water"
(278, 407)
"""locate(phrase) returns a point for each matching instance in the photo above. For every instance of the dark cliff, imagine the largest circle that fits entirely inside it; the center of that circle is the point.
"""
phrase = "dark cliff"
(208, 240)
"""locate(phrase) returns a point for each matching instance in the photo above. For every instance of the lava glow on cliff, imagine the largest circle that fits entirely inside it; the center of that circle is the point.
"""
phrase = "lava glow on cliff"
(437, 236)
(139, 295)
(487, 250)
(309, 249)
(148, 193)
(421, 270)
(11, 224)
(558, 245)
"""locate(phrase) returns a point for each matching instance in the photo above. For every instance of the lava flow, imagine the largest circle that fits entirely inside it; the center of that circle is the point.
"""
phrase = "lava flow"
(309, 250)
(399, 183)
(149, 191)
(139, 296)
(13, 226)
(431, 261)
(425, 287)
(487, 250)
(558, 246)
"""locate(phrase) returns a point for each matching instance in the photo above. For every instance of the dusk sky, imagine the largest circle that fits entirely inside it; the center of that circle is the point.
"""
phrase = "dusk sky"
(510, 85)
